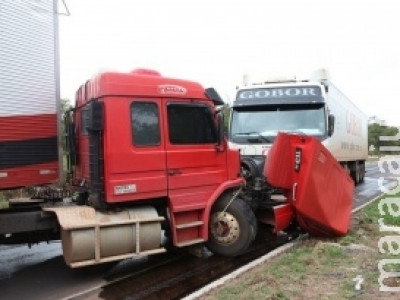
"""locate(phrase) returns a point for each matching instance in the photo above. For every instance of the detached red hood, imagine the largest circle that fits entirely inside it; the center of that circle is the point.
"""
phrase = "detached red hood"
(317, 186)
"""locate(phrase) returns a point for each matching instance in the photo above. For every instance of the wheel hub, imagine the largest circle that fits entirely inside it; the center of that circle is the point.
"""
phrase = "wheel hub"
(224, 227)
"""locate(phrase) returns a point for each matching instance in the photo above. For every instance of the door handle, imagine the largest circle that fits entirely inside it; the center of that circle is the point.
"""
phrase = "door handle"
(172, 172)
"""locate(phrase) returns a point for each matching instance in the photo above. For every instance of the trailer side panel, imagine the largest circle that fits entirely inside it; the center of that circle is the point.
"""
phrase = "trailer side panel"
(28, 93)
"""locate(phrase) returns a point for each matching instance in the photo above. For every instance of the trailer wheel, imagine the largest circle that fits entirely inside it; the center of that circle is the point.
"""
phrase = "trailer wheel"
(231, 231)
(362, 175)
(356, 176)
(356, 173)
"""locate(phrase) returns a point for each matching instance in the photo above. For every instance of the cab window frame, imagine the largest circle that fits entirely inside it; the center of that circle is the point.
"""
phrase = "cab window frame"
(206, 135)
(143, 139)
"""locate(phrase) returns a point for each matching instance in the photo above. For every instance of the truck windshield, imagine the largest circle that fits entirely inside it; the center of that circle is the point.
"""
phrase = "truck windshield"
(260, 121)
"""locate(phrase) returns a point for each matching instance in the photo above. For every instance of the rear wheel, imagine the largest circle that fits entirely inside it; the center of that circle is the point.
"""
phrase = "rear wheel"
(231, 231)
(362, 172)
(356, 172)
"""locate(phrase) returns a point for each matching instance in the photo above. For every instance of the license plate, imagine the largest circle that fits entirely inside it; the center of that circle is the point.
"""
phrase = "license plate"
(125, 189)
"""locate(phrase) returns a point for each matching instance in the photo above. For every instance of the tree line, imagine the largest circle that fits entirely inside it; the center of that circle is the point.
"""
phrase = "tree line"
(377, 146)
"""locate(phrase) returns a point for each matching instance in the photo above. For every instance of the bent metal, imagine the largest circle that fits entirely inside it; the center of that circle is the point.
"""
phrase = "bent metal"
(279, 92)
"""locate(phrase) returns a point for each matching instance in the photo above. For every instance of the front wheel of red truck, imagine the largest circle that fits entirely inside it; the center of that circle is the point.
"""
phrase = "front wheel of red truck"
(232, 227)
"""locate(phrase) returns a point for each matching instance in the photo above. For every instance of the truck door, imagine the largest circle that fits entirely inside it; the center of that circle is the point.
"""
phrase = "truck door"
(194, 167)
(135, 164)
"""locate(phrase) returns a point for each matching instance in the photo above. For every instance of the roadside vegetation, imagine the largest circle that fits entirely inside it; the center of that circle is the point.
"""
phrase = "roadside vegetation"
(374, 132)
(9, 194)
(322, 269)
(3, 201)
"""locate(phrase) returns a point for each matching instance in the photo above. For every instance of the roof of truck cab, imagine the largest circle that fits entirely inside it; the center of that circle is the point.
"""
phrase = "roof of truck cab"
(142, 85)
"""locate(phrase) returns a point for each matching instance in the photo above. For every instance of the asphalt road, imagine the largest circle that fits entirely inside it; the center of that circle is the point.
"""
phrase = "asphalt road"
(377, 181)
(40, 272)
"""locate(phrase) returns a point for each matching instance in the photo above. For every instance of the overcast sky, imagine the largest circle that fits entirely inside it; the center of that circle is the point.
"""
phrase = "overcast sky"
(217, 42)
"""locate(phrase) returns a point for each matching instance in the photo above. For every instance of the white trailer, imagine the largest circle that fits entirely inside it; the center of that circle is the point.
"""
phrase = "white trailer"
(312, 107)
(29, 93)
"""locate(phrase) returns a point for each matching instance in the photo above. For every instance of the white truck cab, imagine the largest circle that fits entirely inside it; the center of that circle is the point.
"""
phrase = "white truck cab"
(313, 107)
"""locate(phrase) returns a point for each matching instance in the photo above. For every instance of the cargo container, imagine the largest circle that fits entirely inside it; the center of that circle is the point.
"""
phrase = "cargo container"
(29, 93)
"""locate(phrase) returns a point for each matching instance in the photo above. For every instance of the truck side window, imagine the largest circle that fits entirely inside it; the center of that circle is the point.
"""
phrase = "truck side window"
(145, 124)
(191, 124)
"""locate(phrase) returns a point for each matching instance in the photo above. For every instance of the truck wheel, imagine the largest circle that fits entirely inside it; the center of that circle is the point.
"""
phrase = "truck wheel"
(362, 172)
(231, 231)
(356, 173)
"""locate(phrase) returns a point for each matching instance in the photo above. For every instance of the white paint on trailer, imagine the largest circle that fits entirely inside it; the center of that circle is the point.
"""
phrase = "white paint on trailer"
(28, 57)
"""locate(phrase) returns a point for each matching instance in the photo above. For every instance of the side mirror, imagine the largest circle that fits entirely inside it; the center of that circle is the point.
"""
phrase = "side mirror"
(331, 124)
(220, 132)
(95, 116)
(212, 94)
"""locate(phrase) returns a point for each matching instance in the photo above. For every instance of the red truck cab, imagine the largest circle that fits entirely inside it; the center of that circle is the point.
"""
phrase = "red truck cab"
(142, 139)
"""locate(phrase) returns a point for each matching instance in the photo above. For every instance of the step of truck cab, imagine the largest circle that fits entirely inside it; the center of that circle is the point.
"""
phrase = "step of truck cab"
(189, 226)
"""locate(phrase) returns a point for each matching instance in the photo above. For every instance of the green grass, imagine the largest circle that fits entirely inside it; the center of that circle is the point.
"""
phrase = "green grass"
(322, 268)
(3, 204)
(282, 278)
(3, 201)
(9, 194)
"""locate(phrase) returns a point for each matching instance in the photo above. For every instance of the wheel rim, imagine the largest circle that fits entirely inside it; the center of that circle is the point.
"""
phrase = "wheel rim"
(224, 227)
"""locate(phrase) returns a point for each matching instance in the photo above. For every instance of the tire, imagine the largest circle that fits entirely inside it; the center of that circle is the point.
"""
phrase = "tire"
(358, 173)
(231, 232)
(355, 173)
(362, 167)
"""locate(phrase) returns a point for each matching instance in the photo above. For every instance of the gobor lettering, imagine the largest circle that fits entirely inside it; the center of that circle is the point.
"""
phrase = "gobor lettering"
(280, 93)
